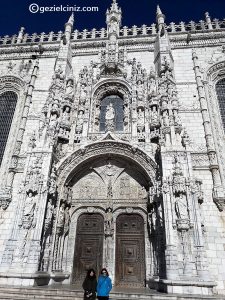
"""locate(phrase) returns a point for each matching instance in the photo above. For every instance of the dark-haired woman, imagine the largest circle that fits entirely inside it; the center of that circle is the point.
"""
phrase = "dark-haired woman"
(89, 285)
(104, 285)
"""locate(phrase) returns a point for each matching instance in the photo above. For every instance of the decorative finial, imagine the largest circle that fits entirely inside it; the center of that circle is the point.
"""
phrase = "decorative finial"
(71, 19)
(158, 11)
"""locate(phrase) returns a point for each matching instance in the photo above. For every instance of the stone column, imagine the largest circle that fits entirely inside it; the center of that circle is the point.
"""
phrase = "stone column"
(218, 193)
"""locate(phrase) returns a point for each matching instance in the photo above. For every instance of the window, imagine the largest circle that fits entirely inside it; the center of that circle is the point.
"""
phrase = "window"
(220, 90)
(7, 107)
(117, 103)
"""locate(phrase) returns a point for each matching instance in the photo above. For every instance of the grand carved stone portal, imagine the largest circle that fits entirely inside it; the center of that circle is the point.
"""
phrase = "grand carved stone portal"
(114, 193)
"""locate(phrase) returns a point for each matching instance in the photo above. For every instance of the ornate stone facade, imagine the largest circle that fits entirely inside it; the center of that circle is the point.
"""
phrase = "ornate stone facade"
(115, 156)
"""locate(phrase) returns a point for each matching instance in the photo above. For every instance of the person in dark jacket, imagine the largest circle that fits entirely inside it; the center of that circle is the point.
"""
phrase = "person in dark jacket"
(104, 285)
(89, 285)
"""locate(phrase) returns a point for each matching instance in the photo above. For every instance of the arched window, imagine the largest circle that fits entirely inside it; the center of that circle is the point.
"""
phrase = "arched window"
(115, 103)
(7, 107)
(220, 90)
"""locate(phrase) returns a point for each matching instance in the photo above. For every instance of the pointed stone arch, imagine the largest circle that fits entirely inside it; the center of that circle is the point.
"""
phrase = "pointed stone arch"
(106, 147)
(212, 76)
(13, 84)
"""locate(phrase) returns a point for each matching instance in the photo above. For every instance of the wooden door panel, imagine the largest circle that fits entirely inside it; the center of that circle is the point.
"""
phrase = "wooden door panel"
(130, 260)
(89, 246)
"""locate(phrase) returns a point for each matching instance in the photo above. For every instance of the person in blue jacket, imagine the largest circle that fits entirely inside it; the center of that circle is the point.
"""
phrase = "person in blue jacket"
(104, 285)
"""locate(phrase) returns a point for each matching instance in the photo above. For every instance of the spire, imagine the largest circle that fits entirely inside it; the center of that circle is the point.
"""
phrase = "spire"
(160, 17)
(114, 6)
(68, 29)
(113, 18)
(158, 11)
(71, 19)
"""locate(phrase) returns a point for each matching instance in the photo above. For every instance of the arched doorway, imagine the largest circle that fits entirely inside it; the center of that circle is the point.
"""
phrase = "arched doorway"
(89, 245)
(107, 174)
(130, 251)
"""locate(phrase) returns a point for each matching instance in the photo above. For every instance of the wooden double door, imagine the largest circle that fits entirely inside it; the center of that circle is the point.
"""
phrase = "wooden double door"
(129, 243)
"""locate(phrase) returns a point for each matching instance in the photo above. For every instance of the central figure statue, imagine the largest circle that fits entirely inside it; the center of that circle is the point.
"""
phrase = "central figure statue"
(110, 118)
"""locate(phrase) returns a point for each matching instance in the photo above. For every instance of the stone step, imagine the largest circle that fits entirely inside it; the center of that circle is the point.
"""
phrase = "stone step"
(61, 293)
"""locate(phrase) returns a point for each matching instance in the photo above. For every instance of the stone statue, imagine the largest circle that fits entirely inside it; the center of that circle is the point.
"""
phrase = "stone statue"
(110, 112)
(139, 91)
(61, 217)
(154, 115)
(109, 221)
(69, 93)
(61, 232)
(109, 117)
(66, 220)
(141, 120)
(28, 219)
(66, 115)
(181, 208)
(49, 214)
(152, 87)
(166, 121)
(80, 121)
(83, 94)
(52, 125)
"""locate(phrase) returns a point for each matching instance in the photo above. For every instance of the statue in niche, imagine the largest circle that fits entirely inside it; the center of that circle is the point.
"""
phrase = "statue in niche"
(154, 115)
(52, 182)
(80, 121)
(83, 94)
(49, 214)
(55, 107)
(152, 87)
(28, 218)
(166, 121)
(61, 217)
(141, 120)
(181, 208)
(66, 115)
(52, 125)
(139, 90)
(167, 70)
(109, 221)
(69, 93)
(112, 26)
(62, 230)
(139, 70)
(109, 117)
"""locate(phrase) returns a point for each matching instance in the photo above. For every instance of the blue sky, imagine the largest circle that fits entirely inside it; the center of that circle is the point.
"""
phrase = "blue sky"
(15, 13)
